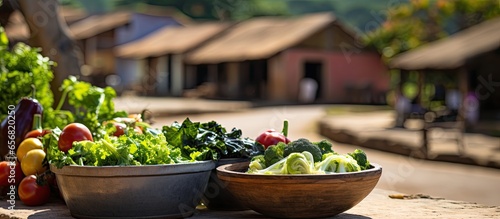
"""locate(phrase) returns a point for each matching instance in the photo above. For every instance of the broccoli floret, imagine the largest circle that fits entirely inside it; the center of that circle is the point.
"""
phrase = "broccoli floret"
(360, 157)
(257, 163)
(325, 146)
(274, 153)
(301, 145)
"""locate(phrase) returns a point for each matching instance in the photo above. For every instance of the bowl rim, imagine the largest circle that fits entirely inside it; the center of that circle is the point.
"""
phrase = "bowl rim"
(134, 170)
(223, 171)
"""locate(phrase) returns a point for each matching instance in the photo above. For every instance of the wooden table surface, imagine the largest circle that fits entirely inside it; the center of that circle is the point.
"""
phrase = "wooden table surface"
(378, 204)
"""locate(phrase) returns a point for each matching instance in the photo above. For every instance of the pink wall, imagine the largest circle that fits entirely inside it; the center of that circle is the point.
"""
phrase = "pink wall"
(356, 68)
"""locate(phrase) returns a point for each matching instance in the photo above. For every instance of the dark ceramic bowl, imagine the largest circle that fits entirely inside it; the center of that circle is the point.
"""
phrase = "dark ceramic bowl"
(149, 191)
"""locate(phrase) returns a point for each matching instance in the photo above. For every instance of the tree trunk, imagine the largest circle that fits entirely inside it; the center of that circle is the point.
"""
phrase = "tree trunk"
(5, 12)
(50, 32)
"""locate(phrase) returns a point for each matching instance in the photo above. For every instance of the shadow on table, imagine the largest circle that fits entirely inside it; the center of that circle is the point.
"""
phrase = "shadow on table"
(55, 208)
(350, 216)
(249, 214)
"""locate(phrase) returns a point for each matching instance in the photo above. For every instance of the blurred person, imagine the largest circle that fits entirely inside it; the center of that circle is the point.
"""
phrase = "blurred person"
(453, 100)
(471, 108)
(403, 108)
(307, 90)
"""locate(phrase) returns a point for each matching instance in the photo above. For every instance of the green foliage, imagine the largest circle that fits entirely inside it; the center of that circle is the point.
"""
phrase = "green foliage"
(295, 163)
(128, 149)
(24, 66)
(301, 145)
(20, 68)
(303, 162)
(360, 157)
(257, 163)
(210, 141)
(325, 146)
(415, 23)
(91, 105)
(274, 153)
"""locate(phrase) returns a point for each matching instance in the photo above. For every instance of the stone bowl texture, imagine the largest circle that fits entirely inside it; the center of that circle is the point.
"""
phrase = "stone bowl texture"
(149, 191)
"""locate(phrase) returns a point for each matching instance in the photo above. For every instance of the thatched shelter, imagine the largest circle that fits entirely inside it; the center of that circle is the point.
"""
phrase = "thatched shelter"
(473, 57)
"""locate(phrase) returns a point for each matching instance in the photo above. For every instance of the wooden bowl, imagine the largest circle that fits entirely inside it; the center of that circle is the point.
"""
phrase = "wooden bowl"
(300, 195)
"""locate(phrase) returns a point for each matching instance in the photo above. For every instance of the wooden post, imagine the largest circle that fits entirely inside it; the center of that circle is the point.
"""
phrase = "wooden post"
(461, 120)
(421, 87)
(425, 141)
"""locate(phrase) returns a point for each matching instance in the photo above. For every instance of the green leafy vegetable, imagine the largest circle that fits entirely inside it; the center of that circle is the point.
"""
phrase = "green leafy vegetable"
(257, 163)
(295, 163)
(274, 153)
(300, 163)
(303, 144)
(24, 66)
(129, 149)
(277, 168)
(209, 141)
(92, 105)
(20, 68)
(338, 164)
(325, 146)
(298, 157)
(360, 157)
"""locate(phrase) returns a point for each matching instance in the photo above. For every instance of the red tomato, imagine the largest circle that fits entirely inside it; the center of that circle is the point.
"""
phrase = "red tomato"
(120, 128)
(73, 132)
(32, 193)
(271, 137)
(10, 174)
(37, 133)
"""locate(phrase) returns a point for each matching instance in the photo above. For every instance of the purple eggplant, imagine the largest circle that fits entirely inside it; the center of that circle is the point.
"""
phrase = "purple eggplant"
(15, 126)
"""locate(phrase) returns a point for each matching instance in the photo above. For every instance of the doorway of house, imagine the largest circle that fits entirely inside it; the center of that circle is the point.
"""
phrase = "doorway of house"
(314, 70)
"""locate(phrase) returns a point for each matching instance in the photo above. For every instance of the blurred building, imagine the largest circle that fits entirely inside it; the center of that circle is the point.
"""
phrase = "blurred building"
(266, 58)
(472, 56)
(97, 35)
(18, 31)
(271, 58)
(163, 53)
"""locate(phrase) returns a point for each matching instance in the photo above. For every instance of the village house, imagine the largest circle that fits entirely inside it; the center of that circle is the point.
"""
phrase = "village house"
(97, 35)
(472, 58)
(266, 58)
(162, 51)
(263, 58)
